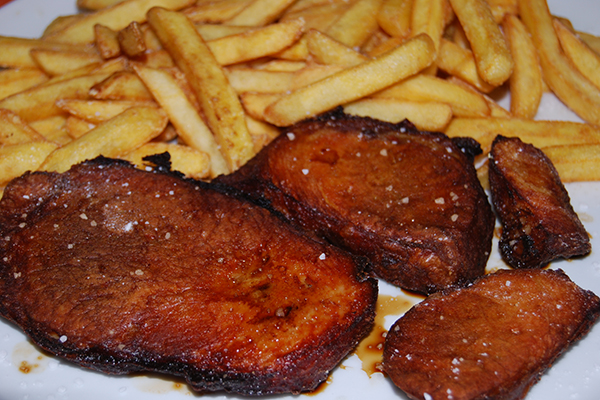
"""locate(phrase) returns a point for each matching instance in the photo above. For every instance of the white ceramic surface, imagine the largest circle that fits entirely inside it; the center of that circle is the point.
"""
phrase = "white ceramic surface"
(576, 375)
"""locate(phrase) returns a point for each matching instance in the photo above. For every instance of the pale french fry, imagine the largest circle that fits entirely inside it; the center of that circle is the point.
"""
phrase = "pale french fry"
(220, 104)
(113, 138)
(260, 13)
(216, 31)
(77, 127)
(460, 62)
(97, 111)
(394, 17)
(49, 126)
(496, 110)
(353, 83)
(584, 58)
(190, 162)
(256, 43)
(39, 101)
(16, 80)
(115, 17)
(16, 51)
(526, 80)
(256, 103)
(355, 26)
(492, 56)
(107, 41)
(96, 4)
(575, 162)
(13, 130)
(60, 23)
(121, 85)
(539, 133)
(17, 159)
(131, 40)
(327, 50)
(281, 65)
(427, 116)
(428, 17)
(262, 133)
(215, 12)
(464, 102)
(57, 62)
(191, 128)
(566, 82)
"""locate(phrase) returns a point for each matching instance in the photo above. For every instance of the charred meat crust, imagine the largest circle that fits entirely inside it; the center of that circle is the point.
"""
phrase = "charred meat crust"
(491, 340)
(539, 224)
(121, 270)
(409, 201)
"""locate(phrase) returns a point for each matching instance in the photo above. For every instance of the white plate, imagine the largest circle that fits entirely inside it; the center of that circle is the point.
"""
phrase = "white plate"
(576, 375)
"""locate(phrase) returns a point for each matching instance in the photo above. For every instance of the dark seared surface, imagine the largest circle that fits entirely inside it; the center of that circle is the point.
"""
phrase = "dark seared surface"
(538, 222)
(410, 201)
(121, 270)
(491, 340)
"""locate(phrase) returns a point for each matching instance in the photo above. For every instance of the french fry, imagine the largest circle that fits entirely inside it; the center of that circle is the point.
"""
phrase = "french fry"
(394, 17)
(526, 81)
(39, 101)
(16, 52)
(327, 50)
(492, 56)
(575, 162)
(115, 17)
(539, 133)
(353, 83)
(191, 128)
(17, 159)
(49, 126)
(121, 85)
(96, 4)
(216, 31)
(567, 83)
(281, 65)
(190, 162)
(219, 101)
(77, 127)
(97, 111)
(460, 62)
(260, 12)
(256, 103)
(256, 43)
(16, 80)
(321, 16)
(113, 138)
(13, 130)
(59, 23)
(57, 62)
(297, 52)
(502, 8)
(107, 41)
(356, 24)
(584, 58)
(262, 133)
(464, 102)
(428, 116)
(428, 17)
(215, 12)
(131, 40)
(592, 41)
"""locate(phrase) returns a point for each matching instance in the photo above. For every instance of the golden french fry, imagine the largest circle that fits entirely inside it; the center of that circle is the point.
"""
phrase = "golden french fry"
(355, 26)
(592, 41)
(567, 83)
(460, 62)
(77, 127)
(526, 80)
(121, 85)
(182, 114)
(427, 116)
(327, 50)
(58, 62)
(131, 40)
(394, 17)
(215, 12)
(256, 103)
(216, 31)
(49, 126)
(113, 138)
(17, 159)
(428, 17)
(13, 130)
(262, 133)
(115, 17)
(16, 80)
(39, 101)
(575, 162)
(16, 52)
(190, 162)
(219, 102)
(96, 4)
(281, 65)
(464, 102)
(59, 23)
(353, 83)
(256, 43)
(107, 41)
(584, 58)
(539, 133)
(502, 8)
(260, 12)
(321, 16)
(97, 111)
(492, 56)
(297, 52)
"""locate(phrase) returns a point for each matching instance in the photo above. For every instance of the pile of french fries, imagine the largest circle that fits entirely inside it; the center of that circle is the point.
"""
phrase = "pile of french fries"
(212, 81)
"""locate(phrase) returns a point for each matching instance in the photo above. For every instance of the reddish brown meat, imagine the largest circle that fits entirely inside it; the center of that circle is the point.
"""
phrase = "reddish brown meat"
(408, 200)
(121, 270)
(538, 221)
(491, 340)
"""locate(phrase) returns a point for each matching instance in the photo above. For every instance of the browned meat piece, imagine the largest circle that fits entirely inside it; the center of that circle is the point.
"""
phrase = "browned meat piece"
(491, 340)
(538, 221)
(122, 270)
(408, 200)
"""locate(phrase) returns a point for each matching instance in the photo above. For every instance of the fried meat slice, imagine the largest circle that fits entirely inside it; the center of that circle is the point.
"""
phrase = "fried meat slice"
(539, 224)
(122, 270)
(410, 201)
(491, 340)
